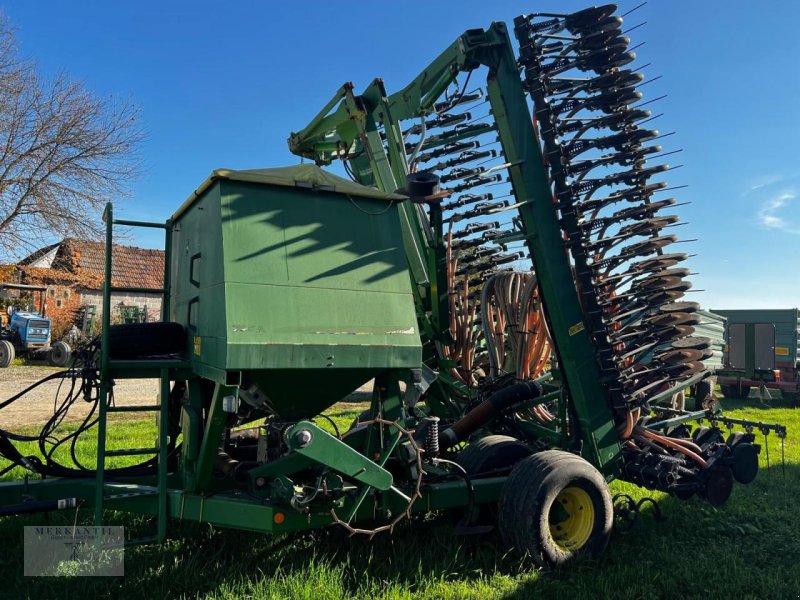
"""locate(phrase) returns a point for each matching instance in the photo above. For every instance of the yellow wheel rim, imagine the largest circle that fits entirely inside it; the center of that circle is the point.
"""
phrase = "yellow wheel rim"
(571, 519)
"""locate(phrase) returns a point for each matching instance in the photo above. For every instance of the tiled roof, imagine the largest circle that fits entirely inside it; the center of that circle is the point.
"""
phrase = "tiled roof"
(130, 266)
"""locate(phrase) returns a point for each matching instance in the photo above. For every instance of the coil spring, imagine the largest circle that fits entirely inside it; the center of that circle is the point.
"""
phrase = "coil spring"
(431, 436)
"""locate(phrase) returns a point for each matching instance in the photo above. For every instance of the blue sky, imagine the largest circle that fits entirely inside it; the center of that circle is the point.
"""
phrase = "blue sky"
(221, 84)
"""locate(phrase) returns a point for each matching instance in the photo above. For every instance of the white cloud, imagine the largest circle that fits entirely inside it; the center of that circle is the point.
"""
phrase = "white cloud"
(776, 214)
(762, 182)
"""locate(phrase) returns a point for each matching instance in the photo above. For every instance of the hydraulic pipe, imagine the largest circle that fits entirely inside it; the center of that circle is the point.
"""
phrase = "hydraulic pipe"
(487, 410)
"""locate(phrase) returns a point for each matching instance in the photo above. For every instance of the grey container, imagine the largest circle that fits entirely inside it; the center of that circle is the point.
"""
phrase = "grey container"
(712, 326)
(787, 329)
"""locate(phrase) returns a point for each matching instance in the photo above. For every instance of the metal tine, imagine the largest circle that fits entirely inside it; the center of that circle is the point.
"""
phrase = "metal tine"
(604, 39)
(651, 118)
(479, 129)
(466, 98)
(481, 209)
(627, 31)
(603, 85)
(631, 212)
(649, 101)
(628, 176)
(625, 158)
(443, 120)
(609, 101)
(574, 146)
(457, 173)
(463, 158)
(663, 154)
(481, 253)
(634, 9)
(656, 78)
(563, 65)
(628, 194)
(674, 258)
(475, 228)
(466, 199)
(449, 149)
(639, 45)
(612, 121)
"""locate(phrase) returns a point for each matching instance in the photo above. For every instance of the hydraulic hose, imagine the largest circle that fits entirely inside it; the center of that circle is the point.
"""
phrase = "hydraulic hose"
(496, 404)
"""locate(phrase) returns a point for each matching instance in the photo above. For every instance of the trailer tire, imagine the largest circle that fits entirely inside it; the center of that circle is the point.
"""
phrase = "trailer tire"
(491, 453)
(6, 353)
(556, 507)
(140, 340)
(741, 392)
(59, 354)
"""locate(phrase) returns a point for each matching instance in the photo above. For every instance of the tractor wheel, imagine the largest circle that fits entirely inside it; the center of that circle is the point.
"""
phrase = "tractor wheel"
(556, 507)
(741, 391)
(702, 390)
(492, 453)
(6, 353)
(140, 340)
(59, 354)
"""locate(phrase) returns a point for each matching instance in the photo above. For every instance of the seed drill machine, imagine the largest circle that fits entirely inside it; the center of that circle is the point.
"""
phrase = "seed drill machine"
(499, 262)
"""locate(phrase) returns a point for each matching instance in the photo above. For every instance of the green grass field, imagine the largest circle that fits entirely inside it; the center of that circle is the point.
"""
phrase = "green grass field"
(749, 548)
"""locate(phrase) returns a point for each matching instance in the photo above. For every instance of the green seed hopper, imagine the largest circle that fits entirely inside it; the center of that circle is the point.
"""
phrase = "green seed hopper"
(287, 277)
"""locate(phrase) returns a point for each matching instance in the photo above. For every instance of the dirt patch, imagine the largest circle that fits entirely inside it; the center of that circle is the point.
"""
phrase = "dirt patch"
(37, 405)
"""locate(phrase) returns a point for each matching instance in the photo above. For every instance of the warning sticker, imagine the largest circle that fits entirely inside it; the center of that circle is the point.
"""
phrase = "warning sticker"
(575, 328)
(197, 345)
(781, 351)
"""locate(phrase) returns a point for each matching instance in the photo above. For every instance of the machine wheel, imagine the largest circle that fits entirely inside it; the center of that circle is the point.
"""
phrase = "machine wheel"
(138, 340)
(59, 354)
(491, 453)
(702, 389)
(555, 506)
(742, 391)
(6, 353)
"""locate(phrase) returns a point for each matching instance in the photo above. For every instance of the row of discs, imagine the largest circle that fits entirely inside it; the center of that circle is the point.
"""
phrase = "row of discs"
(602, 158)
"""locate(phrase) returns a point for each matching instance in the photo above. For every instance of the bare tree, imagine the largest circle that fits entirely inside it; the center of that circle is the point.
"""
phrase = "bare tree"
(64, 152)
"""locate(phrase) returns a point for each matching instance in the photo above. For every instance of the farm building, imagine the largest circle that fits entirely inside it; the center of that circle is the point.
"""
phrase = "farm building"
(73, 271)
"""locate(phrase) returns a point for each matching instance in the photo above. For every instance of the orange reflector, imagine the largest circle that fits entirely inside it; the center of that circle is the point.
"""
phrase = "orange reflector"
(279, 518)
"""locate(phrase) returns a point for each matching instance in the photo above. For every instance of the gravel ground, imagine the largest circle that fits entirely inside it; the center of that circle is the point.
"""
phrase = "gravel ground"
(37, 406)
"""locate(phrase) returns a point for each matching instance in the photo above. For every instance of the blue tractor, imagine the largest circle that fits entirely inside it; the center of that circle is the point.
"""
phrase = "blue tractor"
(28, 331)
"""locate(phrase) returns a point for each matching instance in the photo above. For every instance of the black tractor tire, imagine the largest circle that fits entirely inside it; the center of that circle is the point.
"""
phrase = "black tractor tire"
(556, 507)
(59, 354)
(702, 389)
(142, 340)
(7, 353)
(492, 453)
(741, 391)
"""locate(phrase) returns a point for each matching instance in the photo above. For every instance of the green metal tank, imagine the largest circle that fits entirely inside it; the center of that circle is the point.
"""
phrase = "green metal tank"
(293, 282)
